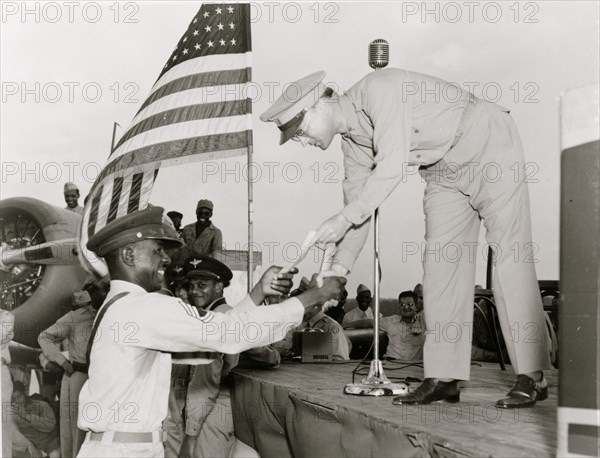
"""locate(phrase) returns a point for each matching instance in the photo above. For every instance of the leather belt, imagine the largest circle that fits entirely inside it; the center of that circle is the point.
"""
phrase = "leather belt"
(79, 367)
(127, 437)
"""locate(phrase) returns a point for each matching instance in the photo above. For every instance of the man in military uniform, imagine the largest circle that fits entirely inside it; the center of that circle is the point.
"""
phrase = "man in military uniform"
(71, 193)
(202, 238)
(208, 421)
(125, 398)
(176, 217)
(392, 120)
(75, 329)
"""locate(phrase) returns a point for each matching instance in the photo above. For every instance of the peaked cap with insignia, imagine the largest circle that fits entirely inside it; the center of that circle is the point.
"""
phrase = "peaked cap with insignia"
(289, 109)
(207, 267)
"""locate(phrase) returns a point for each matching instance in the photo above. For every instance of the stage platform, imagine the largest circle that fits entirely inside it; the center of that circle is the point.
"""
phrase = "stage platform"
(300, 410)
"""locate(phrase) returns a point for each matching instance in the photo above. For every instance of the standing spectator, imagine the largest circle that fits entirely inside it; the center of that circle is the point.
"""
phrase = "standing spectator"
(202, 238)
(7, 332)
(176, 217)
(75, 329)
(71, 192)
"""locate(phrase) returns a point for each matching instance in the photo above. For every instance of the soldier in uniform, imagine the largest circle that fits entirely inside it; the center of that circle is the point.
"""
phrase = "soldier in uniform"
(202, 238)
(125, 398)
(390, 121)
(75, 329)
(176, 217)
(71, 193)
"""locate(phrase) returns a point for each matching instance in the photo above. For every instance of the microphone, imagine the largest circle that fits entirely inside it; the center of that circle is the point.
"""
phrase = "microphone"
(379, 54)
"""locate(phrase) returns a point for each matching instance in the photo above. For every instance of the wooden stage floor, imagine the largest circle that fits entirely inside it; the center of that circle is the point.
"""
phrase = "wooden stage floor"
(472, 427)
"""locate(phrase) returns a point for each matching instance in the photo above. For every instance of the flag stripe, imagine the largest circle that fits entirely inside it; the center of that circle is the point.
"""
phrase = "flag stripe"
(212, 94)
(215, 63)
(134, 194)
(174, 149)
(94, 212)
(114, 203)
(184, 130)
(198, 80)
(185, 114)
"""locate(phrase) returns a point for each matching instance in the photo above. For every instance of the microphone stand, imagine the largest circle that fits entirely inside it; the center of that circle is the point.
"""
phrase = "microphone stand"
(376, 383)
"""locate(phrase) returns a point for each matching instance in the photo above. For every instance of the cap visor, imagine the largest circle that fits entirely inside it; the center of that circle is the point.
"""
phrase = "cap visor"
(290, 130)
(169, 242)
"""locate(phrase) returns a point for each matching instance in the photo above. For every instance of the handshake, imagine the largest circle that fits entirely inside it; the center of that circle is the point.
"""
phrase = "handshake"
(316, 292)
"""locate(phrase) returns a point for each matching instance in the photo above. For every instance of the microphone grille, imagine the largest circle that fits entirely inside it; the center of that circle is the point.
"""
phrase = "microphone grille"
(379, 53)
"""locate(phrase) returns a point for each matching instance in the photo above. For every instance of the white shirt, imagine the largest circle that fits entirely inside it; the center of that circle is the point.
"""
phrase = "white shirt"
(357, 314)
(130, 368)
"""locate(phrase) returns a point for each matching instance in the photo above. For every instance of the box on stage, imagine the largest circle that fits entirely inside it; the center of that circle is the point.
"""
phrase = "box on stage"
(313, 346)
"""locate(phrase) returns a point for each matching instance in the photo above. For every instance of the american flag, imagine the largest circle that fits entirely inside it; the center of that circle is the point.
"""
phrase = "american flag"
(197, 110)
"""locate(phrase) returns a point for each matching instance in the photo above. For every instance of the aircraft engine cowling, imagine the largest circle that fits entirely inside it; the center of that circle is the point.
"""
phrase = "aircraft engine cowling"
(39, 266)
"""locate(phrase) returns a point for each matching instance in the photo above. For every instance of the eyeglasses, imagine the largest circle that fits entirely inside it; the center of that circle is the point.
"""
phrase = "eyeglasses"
(301, 130)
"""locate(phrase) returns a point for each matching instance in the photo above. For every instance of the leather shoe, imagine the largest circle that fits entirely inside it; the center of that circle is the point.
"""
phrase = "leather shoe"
(524, 393)
(431, 390)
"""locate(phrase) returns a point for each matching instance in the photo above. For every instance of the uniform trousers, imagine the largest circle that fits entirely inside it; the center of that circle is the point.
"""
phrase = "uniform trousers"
(481, 176)
(71, 437)
(216, 438)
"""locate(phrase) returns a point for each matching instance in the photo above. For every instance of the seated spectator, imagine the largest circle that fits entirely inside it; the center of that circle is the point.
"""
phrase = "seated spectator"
(34, 426)
(363, 311)
(337, 311)
(315, 318)
(406, 331)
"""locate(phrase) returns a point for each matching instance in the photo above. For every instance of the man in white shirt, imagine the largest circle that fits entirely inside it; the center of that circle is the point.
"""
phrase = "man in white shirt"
(363, 311)
(124, 402)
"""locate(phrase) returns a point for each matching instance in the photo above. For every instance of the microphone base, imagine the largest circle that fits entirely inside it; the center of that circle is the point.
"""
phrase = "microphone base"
(376, 384)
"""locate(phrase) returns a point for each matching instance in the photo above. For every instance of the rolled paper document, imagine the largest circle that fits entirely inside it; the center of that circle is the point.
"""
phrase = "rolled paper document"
(303, 252)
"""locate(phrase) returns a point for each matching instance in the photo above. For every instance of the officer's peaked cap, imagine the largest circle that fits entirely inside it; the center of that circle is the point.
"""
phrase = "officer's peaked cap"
(288, 110)
(147, 224)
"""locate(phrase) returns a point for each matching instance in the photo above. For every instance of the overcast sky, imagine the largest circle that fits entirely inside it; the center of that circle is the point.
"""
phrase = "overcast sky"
(69, 72)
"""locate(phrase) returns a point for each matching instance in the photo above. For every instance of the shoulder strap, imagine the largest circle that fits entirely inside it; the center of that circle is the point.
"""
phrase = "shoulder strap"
(97, 323)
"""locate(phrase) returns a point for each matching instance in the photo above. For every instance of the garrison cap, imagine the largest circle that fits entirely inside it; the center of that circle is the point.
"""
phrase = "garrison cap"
(288, 110)
(147, 224)
(70, 187)
(81, 298)
(209, 268)
(204, 203)
(362, 289)
(175, 214)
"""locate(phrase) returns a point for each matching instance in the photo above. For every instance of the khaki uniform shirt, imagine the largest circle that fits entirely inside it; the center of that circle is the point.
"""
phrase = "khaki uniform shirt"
(130, 367)
(207, 243)
(79, 209)
(397, 119)
(75, 328)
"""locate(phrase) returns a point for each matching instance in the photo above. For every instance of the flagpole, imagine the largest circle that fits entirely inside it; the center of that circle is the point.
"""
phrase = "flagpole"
(250, 214)
(112, 142)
